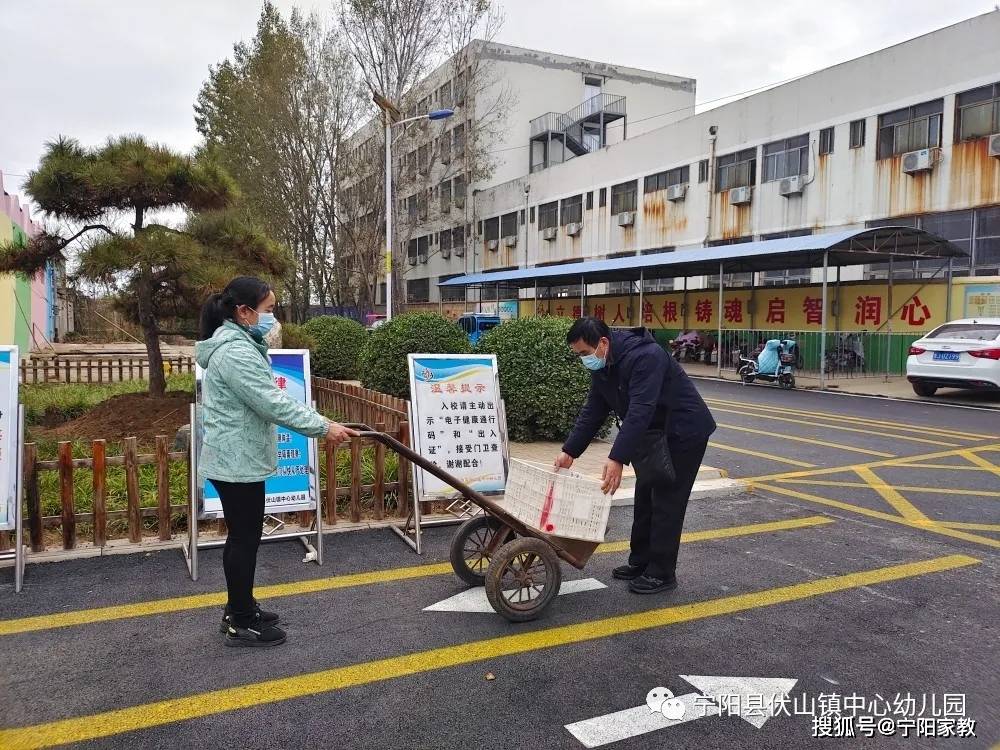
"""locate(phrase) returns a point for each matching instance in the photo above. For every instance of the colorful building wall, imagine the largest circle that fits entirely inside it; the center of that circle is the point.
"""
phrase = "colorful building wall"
(27, 306)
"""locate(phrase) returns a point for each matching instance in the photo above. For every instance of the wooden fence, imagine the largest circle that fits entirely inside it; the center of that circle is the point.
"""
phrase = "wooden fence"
(352, 403)
(104, 370)
(168, 507)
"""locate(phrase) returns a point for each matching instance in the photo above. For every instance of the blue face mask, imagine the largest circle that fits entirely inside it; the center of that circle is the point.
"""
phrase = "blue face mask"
(265, 322)
(592, 361)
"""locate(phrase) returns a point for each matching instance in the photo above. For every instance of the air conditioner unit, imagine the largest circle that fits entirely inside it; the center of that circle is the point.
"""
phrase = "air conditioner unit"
(574, 228)
(422, 258)
(625, 218)
(740, 195)
(446, 253)
(459, 251)
(677, 192)
(994, 146)
(459, 202)
(919, 161)
(492, 244)
(412, 259)
(792, 185)
(550, 233)
(510, 240)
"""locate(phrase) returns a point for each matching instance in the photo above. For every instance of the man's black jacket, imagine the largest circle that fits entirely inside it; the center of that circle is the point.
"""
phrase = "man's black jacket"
(646, 388)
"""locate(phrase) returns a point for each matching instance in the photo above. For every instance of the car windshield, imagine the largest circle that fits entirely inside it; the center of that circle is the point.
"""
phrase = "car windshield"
(970, 331)
(486, 325)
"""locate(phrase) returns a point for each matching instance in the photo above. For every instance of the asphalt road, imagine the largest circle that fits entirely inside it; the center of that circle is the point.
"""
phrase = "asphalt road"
(862, 566)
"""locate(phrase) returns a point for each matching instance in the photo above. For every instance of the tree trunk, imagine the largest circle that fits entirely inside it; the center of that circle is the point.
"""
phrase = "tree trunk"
(150, 333)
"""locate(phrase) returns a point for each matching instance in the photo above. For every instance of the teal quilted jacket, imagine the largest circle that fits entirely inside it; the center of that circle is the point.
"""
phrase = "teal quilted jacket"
(241, 406)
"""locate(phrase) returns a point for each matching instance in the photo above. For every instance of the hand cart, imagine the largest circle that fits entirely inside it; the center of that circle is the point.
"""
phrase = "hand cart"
(518, 564)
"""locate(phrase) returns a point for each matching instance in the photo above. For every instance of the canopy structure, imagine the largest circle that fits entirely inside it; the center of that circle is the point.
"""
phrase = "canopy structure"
(848, 248)
(855, 247)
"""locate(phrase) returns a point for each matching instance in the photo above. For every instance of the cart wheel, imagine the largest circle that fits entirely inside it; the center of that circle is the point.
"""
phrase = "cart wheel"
(787, 381)
(523, 579)
(469, 554)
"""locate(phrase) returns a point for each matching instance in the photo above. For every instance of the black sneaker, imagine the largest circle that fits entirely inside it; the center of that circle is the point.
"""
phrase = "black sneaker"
(268, 618)
(628, 572)
(648, 585)
(254, 635)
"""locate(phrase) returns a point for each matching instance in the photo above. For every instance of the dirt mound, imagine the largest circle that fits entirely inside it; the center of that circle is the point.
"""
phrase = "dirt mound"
(130, 415)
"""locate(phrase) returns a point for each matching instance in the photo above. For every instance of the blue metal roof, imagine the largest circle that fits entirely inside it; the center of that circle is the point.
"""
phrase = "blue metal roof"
(859, 246)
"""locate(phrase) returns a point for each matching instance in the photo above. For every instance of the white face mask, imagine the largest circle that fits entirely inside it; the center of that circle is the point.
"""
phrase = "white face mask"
(265, 322)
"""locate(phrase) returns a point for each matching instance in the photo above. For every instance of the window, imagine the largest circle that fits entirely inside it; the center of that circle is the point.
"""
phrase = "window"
(458, 135)
(602, 201)
(444, 96)
(411, 163)
(423, 161)
(411, 207)
(657, 284)
(423, 244)
(857, 134)
(418, 290)
(411, 251)
(508, 224)
(987, 241)
(444, 146)
(444, 242)
(703, 171)
(548, 215)
(786, 276)
(458, 241)
(458, 190)
(621, 287)
(623, 196)
(422, 206)
(736, 170)
(451, 293)
(572, 209)
(663, 180)
(910, 128)
(786, 158)
(531, 215)
(978, 112)
(826, 141)
(590, 200)
(445, 193)
(491, 229)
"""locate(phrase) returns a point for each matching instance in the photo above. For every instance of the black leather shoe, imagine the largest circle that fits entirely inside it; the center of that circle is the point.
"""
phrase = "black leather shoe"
(267, 619)
(628, 572)
(648, 585)
(254, 635)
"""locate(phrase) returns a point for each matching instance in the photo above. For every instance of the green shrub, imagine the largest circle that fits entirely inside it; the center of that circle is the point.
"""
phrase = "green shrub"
(295, 337)
(382, 364)
(338, 343)
(542, 382)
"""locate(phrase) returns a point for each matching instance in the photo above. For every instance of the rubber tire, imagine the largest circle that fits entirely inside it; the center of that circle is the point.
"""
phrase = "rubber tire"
(456, 554)
(502, 558)
(923, 389)
(787, 382)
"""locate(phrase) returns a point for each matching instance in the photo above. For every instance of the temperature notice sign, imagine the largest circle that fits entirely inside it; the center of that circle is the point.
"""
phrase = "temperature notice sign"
(457, 421)
(8, 435)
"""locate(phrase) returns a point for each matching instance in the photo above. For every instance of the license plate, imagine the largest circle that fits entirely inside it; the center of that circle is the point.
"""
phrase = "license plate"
(946, 356)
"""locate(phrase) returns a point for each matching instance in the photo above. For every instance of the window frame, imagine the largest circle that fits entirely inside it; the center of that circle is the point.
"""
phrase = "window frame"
(506, 220)
(658, 181)
(491, 228)
(776, 164)
(856, 133)
(912, 116)
(747, 156)
(628, 192)
(994, 100)
(548, 215)
(571, 210)
(827, 140)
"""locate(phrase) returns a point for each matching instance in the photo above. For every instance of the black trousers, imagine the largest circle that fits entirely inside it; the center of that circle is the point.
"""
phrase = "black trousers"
(243, 508)
(658, 515)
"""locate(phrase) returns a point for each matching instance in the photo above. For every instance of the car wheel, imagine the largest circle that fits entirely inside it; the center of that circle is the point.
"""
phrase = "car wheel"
(924, 389)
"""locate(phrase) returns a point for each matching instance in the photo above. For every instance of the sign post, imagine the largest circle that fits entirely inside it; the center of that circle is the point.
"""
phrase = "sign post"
(457, 421)
(11, 454)
(293, 487)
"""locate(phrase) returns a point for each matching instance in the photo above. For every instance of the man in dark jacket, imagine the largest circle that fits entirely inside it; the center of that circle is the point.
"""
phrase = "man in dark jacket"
(659, 411)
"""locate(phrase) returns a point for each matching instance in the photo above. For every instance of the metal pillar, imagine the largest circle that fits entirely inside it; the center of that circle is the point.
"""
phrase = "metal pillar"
(888, 341)
(583, 296)
(718, 341)
(822, 334)
(684, 305)
(642, 318)
(388, 215)
(947, 304)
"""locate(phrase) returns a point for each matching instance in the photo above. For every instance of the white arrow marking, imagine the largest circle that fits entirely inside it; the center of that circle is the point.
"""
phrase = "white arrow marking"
(474, 600)
(732, 694)
(602, 730)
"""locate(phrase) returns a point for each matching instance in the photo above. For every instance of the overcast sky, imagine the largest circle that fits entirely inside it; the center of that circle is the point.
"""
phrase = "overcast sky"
(93, 68)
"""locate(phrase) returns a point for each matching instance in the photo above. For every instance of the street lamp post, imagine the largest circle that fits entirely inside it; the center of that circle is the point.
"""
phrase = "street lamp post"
(391, 113)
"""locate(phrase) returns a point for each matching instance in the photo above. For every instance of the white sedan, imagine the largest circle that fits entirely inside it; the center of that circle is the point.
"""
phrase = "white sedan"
(959, 354)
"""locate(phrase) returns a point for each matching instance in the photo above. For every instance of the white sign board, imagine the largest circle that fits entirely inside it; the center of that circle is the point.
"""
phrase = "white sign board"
(9, 441)
(293, 486)
(457, 421)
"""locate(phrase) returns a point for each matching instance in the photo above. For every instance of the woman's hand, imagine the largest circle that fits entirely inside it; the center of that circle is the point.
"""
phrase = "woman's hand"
(337, 433)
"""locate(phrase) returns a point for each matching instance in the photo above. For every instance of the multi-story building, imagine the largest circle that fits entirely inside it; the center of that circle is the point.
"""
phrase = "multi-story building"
(516, 111)
(906, 135)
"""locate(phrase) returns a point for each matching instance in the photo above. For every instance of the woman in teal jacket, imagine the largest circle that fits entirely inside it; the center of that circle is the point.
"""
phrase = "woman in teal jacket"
(240, 407)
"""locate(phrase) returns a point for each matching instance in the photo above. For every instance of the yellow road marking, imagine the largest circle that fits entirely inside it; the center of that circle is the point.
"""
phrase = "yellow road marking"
(980, 462)
(883, 485)
(891, 495)
(218, 598)
(971, 526)
(810, 441)
(941, 466)
(758, 454)
(939, 431)
(184, 708)
(863, 431)
(933, 528)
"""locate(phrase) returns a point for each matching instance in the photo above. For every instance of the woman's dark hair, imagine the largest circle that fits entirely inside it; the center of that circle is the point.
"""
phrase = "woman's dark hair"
(243, 290)
(591, 330)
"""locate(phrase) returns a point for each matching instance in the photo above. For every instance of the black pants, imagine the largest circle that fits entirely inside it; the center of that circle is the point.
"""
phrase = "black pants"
(659, 512)
(243, 508)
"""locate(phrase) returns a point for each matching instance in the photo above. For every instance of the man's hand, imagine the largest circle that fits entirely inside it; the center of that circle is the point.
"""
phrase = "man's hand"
(611, 477)
(563, 461)
(337, 433)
